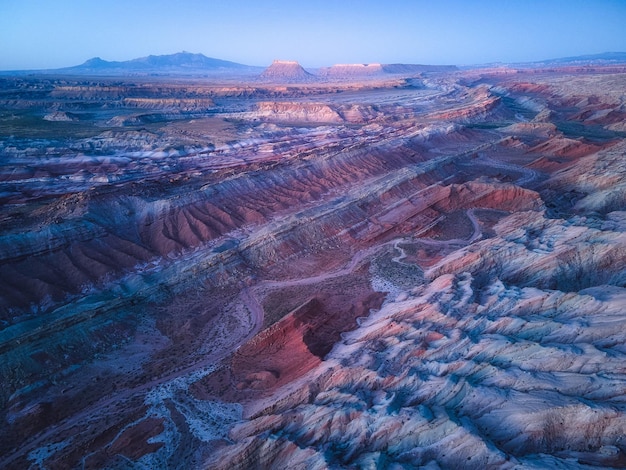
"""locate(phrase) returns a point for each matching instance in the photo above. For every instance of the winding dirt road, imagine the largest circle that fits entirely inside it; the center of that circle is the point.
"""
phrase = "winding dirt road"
(528, 175)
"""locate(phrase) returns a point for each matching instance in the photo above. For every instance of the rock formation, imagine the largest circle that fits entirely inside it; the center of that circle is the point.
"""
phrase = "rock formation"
(286, 71)
(418, 68)
(319, 275)
(360, 71)
(352, 70)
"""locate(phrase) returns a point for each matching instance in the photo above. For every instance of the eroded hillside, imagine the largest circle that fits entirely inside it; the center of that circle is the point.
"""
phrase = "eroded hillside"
(413, 272)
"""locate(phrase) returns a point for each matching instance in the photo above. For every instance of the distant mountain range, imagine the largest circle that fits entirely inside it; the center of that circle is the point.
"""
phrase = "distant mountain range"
(604, 58)
(187, 63)
(608, 58)
(178, 60)
(181, 63)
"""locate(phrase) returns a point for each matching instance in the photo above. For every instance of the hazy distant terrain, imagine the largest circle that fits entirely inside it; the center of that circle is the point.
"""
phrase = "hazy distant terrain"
(209, 265)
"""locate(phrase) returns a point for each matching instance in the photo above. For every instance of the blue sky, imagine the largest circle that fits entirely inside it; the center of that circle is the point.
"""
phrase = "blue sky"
(58, 33)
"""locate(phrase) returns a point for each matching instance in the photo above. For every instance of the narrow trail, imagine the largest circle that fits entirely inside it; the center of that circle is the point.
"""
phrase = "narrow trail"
(454, 242)
(249, 298)
(354, 262)
(402, 255)
(248, 295)
(528, 175)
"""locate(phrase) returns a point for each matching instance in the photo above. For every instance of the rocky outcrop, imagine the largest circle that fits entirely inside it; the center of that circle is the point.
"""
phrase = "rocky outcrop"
(286, 71)
(361, 71)
(182, 104)
(297, 112)
(351, 71)
(59, 116)
(307, 112)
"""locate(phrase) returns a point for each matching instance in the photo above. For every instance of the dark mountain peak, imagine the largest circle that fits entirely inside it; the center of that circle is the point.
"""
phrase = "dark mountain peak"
(184, 60)
(97, 63)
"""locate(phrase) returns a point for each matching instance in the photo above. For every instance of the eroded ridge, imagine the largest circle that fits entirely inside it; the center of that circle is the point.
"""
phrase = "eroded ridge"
(418, 272)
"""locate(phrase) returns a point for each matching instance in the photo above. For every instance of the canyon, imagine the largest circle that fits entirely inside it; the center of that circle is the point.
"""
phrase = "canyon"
(422, 268)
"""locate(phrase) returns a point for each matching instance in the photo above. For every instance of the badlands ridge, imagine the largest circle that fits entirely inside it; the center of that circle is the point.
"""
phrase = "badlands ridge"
(424, 270)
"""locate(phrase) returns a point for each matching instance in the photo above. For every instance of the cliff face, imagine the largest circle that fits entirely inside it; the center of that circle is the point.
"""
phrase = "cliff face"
(315, 275)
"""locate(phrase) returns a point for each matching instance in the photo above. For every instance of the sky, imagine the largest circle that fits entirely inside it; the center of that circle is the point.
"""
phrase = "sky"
(41, 34)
